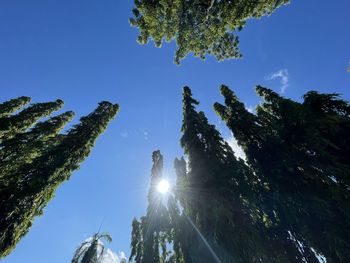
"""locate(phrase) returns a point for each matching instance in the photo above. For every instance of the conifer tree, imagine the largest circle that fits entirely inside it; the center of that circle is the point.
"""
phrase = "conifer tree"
(149, 235)
(301, 152)
(136, 241)
(150, 223)
(220, 195)
(9, 107)
(198, 26)
(36, 180)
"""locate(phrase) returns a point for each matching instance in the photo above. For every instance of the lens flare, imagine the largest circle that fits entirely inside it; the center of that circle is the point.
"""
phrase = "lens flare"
(163, 186)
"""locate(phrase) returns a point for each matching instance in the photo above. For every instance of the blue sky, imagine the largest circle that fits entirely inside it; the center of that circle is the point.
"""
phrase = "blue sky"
(85, 51)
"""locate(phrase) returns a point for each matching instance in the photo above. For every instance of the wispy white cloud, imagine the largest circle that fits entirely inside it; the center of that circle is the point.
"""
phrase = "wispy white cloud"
(124, 134)
(238, 151)
(145, 135)
(134, 133)
(122, 256)
(110, 257)
(251, 109)
(283, 75)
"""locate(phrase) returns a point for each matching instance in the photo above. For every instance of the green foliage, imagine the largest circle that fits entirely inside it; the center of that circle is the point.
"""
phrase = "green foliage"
(199, 26)
(18, 123)
(25, 147)
(155, 232)
(9, 107)
(300, 151)
(288, 202)
(222, 197)
(136, 241)
(35, 161)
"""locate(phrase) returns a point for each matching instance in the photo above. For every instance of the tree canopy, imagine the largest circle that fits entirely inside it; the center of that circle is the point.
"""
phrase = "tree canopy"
(200, 26)
(287, 202)
(35, 158)
(152, 234)
(222, 197)
(300, 150)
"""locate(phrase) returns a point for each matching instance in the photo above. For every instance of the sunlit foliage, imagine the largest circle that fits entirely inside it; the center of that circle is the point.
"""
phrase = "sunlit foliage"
(35, 158)
(198, 26)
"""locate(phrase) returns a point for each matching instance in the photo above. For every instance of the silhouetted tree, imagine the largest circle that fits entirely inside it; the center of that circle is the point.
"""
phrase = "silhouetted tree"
(220, 195)
(91, 250)
(301, 152)
(154, 233)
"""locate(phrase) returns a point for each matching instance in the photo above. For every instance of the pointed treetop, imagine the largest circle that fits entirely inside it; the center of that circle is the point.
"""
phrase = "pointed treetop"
(327, 103)
(25, 119)
(157, 167)
(242, 123)
(187, 96)
(267, 94)
(9, 107)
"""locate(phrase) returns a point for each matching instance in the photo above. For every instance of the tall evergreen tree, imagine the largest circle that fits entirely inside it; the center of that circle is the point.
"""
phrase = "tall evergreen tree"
(23, 199)
(149, 235)
(301, 152)
(220, 196)
(198, 26)
(9, 107)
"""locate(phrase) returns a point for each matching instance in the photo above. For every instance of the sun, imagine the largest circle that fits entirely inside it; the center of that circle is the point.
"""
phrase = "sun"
(163, 186)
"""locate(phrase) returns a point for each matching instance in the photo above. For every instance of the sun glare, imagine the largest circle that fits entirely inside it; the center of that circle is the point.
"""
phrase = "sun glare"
(163, 186)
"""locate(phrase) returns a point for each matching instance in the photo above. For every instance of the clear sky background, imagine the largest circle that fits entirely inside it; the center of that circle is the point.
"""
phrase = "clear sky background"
(85, 51)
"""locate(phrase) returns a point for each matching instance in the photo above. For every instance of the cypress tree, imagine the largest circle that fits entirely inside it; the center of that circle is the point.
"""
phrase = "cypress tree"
(136, 241)
(12, 125)
(299, 152)
(22, 201)
(9, 107)
(149, 236)
(219, 195)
